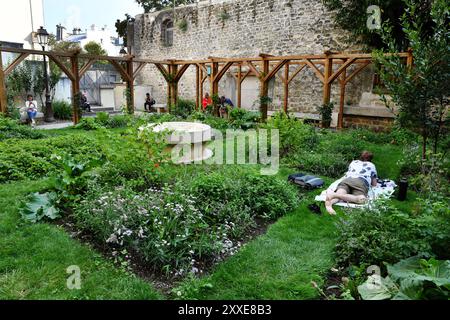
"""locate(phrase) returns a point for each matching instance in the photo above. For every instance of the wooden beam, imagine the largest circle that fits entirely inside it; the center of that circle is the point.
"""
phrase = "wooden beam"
(222, 71)
(341, 70)
(197, 88)
(319, 73)
(181, 72)
(275, 70)
(123, 72)
(253, 68)
(3, 96)
(130, 86)
(15, 63)
(163, 70)
(75, 88)
(264, 89)
(69, 73)
(342, 82)
(358, 70)
(286, 88)
(141, 66)
(86, 67)
(326, 84)
(296, 72)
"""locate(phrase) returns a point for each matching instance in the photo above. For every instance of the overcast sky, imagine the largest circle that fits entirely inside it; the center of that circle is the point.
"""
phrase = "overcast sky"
(84, 13)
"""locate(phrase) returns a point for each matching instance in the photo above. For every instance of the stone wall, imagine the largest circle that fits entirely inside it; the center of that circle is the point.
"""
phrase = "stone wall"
(246, 28)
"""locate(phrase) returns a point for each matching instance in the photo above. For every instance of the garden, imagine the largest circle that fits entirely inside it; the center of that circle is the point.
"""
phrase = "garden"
(104, 198)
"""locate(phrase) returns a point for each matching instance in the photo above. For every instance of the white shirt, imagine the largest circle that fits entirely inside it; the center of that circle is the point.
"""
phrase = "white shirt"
(31, 105)
(362, 169)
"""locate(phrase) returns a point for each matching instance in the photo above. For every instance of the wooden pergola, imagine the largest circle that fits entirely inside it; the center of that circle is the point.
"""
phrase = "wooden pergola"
(328, 67)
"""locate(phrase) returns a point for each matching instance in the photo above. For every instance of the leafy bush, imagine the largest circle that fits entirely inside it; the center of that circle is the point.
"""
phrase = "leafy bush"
(119, 121)
(295, 136)
(12, 129)
(62, 110)
(32, 159)
(386, 234)
(102, 118)
(243, 119)
(410, 279)
(89, 124)
(267, 197)
(39, 206)
(184, 108)
(172, 229)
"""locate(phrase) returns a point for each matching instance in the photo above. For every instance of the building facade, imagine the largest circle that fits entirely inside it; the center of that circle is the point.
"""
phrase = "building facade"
(247, 28)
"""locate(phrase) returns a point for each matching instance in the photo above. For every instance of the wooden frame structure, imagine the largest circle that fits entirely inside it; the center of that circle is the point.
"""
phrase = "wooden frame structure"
(265, 67)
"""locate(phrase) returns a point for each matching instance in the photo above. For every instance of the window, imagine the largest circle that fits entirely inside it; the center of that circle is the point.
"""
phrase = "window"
(167, 33)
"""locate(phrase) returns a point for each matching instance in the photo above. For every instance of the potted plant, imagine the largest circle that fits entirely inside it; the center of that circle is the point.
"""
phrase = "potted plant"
(326, 111)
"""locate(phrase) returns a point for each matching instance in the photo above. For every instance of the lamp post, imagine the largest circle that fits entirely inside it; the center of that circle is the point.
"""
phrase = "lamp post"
(43, 37)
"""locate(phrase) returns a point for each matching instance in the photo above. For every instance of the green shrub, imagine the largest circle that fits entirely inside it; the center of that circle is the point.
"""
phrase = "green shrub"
(12, 129)
(162, 225)
(295, 136)
(386, 234)
(243, 119)
(89, 124)
(266, 196)
(200, 219)
(32, 159)
(102, 118)
(62, 110)
(119, 121)
(183, 108)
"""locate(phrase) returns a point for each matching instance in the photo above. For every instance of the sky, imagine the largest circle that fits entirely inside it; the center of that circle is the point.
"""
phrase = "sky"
(83, 13)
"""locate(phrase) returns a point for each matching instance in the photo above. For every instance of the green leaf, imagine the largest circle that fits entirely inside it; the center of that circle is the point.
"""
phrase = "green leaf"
(39, 206)
(377, 288)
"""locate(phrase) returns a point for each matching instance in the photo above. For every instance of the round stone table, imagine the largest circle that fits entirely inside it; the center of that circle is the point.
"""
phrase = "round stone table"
(187, 141)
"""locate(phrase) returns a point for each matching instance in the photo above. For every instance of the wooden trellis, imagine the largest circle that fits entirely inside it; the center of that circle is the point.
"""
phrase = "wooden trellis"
(265, 67)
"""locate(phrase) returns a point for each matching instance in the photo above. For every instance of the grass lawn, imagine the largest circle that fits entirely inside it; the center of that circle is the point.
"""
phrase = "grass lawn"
(281, 264)
(34, 259)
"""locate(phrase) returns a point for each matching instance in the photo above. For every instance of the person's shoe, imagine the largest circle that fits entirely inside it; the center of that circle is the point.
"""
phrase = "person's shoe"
(314, 208)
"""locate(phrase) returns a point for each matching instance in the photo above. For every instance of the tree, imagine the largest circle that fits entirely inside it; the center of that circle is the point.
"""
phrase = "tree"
(156, 5)
(122, 28)
(351, 15)
(95, 48)
(421, 91)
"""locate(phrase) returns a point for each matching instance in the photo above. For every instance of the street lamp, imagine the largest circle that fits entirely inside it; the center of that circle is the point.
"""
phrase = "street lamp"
(43, 37)
(123, 52)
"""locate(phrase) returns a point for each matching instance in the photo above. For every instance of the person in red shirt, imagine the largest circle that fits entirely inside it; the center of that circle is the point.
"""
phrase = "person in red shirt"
(207, 101)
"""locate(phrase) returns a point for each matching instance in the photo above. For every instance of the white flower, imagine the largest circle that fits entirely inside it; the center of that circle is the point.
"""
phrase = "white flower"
(112, 239)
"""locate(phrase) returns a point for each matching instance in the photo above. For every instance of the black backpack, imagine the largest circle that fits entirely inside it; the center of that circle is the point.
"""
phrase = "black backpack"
(306, 181)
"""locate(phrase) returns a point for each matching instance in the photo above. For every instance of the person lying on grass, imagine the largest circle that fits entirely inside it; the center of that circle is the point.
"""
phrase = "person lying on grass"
(355, 187)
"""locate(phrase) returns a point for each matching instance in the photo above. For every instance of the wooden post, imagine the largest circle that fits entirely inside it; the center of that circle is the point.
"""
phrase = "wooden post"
(239, 87)
(130, 86)
(286, 87)
(3, 97)
(326, 83)
(410, 58)
(264, 89)
(197, 88)
(75, 88)
(343, 83)
(201, 89)
(214, 82)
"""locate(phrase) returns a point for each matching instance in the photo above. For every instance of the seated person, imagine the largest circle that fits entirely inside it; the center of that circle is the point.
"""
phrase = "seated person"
(84, 104)
(31, 109)
(361, 175)
(207, 101)
(224, 104)
(149, 103)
